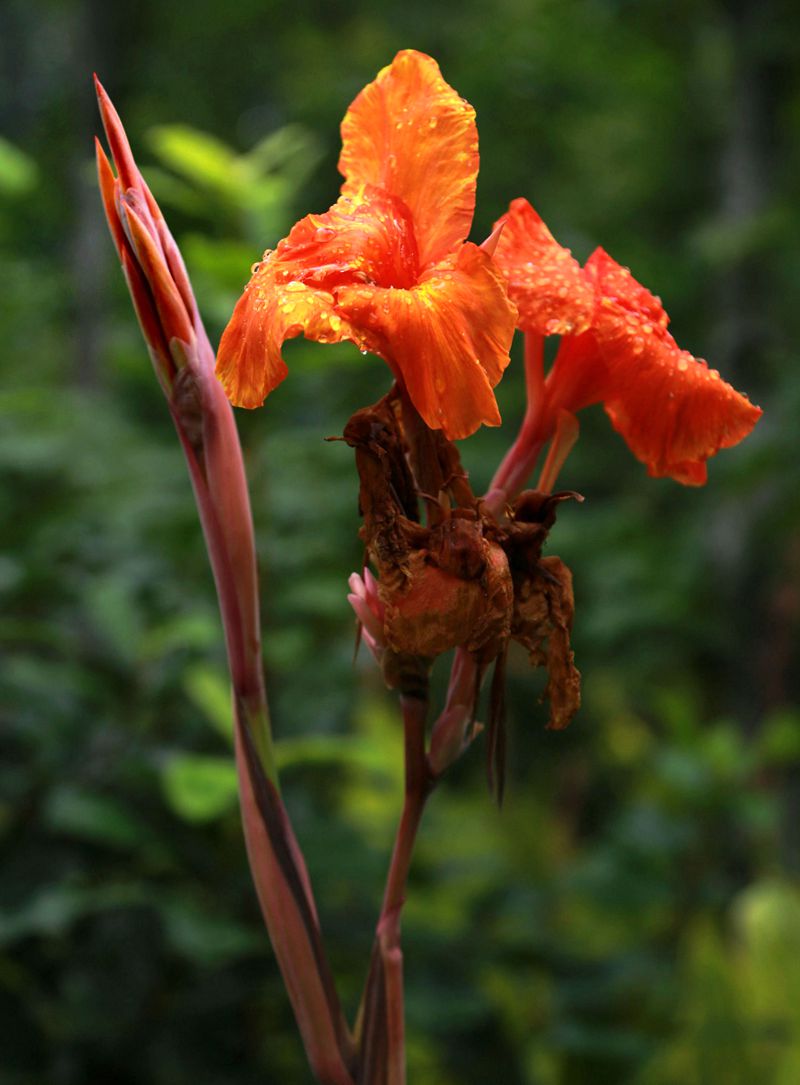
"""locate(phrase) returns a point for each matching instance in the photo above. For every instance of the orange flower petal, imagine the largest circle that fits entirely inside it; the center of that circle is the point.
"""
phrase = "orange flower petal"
(411, 134)
(617, 285)
(367, 236)
(544, 280)
(449, 337)
(672, 410)
(364, 237)
(249, 362)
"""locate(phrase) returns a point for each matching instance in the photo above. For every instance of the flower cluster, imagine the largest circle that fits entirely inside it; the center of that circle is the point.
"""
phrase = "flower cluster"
(388, 268)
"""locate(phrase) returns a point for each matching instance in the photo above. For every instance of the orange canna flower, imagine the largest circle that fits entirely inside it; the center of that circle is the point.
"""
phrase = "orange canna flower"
(671, 409)
(388, 267)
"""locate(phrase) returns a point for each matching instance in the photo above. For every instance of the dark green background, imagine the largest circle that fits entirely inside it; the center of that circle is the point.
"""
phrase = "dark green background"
(632, 917)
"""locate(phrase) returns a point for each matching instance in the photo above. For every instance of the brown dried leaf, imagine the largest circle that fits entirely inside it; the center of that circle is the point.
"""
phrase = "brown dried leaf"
(543, 612)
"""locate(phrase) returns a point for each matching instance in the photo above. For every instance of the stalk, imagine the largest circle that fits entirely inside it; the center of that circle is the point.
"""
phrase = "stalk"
(184, 363)
(382, 1017)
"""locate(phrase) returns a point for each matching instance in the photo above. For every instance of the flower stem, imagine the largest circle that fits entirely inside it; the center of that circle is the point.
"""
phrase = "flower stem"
(417, 789)
(382, 1039)
(519, 461)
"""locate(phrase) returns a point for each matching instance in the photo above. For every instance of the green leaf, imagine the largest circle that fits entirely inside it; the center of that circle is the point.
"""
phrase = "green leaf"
(292, 149)
(342, 750)
(96, 818)
(197, 155)
(211, 692)
(202, 936)
(779, 742)
(199, 788)
(19, 173)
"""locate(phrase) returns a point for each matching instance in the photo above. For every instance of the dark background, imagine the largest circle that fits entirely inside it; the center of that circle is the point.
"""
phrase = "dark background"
(632, 916)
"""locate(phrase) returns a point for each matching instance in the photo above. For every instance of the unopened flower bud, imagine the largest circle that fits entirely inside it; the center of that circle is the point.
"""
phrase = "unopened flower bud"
(369, 610)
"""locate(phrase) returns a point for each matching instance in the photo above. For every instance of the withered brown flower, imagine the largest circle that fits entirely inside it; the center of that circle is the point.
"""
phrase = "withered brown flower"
(464, 578)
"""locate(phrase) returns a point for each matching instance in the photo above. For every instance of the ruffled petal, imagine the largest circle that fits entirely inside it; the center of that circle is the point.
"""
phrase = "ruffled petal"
(671, 409)
(411, 134)
(448, 336)
(249, 362)
(365, 237)
(545, 281)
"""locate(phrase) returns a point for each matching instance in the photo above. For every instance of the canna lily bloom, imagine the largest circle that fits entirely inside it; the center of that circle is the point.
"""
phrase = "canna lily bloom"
(670, 408)
(388, 267)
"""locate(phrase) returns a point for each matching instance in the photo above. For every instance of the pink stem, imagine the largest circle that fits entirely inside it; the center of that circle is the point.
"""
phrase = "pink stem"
(520, 459)
(417, 789)
(204, 421)
(388, 1025)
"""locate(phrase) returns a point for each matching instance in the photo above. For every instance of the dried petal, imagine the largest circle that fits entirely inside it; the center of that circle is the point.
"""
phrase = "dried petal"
(437, 610)
(543, 611)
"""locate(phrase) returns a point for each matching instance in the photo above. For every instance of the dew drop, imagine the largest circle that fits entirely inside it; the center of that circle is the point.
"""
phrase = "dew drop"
(324, 233)
(255, 267)
(294, 287)
(683, 365)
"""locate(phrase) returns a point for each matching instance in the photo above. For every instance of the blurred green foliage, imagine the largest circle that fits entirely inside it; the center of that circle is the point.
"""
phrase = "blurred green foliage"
(632, 917)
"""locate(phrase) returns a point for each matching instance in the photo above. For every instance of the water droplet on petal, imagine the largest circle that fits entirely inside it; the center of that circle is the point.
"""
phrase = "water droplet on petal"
(295, 287)
(255, 267)
(324, 233)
